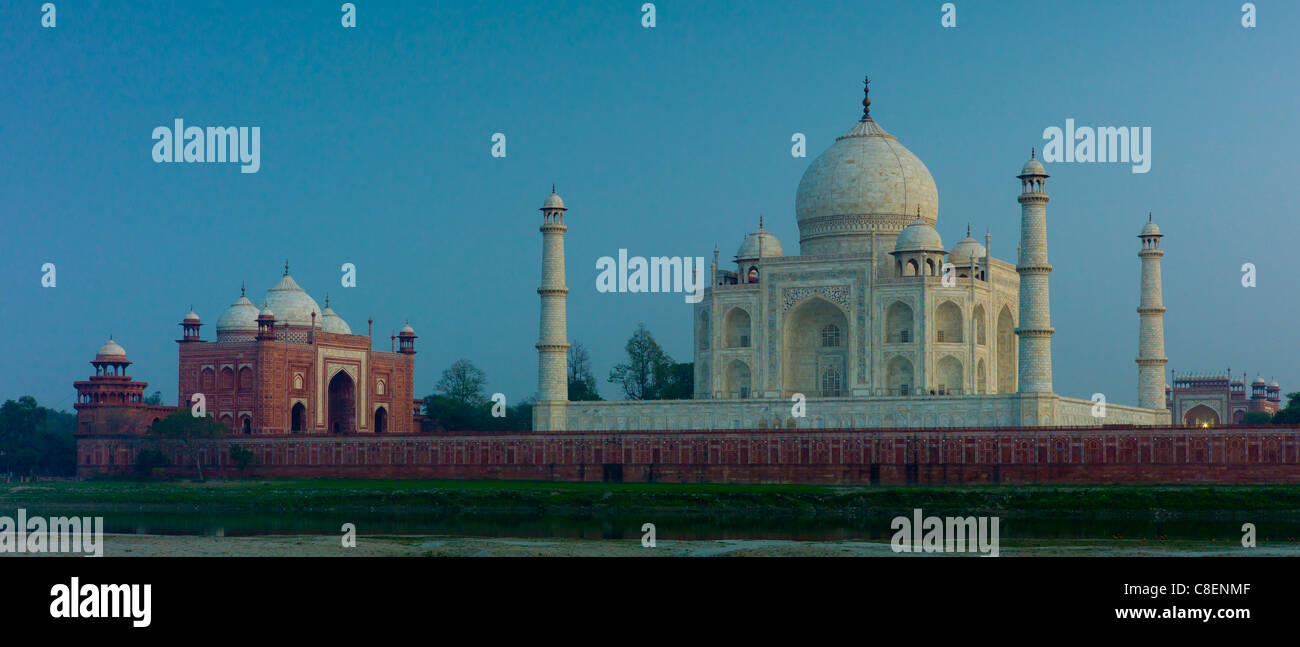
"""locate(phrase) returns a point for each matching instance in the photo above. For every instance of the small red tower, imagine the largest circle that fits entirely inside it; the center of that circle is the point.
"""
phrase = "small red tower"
(190, 328)
(266, 325)
(406, 340)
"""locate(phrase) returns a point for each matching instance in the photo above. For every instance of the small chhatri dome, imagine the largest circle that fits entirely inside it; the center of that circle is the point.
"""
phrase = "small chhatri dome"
(760, 244)
(331, 322)
(241, 316)
(920, 236)
(553, 201)
(1033, 167)
(191, 317)
(110, 351)
(1274, 385)
(407, 330)
(967, 251)
(266, 312)
(1259, 379)
(1150, 229)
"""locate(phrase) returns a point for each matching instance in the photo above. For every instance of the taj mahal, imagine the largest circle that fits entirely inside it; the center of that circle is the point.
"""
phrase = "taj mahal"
(874, 323)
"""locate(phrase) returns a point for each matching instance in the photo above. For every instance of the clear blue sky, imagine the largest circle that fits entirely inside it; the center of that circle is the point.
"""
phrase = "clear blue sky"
(375, 151)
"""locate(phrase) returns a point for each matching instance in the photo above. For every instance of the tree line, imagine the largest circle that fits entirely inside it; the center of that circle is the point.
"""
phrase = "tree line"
(460, 401)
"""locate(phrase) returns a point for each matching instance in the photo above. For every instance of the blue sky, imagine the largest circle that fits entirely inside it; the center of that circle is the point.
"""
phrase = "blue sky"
(375, 151)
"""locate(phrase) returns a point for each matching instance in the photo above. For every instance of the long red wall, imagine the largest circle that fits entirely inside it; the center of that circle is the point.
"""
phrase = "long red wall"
(895, 456)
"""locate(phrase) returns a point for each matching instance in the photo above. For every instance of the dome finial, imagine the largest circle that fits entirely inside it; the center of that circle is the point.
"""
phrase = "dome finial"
(327, 299)
(241, 288)
(760, 221)
(552, 188)
(866, 99)
(1033, 152)
(286, 267)
(1149, 217)
(968, 230)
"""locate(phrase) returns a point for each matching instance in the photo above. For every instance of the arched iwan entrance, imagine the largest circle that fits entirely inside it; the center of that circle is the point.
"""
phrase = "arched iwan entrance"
(299, 417)
(342, 403)
(381, 420)
(1201, 416)
(814, 345)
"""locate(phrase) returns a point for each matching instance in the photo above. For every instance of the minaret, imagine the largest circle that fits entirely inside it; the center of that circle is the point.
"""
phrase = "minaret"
(1151, 322)
(552, 342)
(1035, 330)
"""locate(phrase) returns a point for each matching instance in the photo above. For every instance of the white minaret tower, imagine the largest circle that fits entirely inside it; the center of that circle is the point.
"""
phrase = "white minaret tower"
(552, 341)
(1151, 322)
(1035, 330)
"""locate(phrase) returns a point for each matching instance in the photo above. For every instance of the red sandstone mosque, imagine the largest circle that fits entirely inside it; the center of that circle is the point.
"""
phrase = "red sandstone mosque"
(287, 367)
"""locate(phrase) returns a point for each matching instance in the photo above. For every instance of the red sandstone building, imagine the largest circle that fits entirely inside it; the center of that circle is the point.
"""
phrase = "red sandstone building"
(1210, 400)
(285, 368)
(290, 367)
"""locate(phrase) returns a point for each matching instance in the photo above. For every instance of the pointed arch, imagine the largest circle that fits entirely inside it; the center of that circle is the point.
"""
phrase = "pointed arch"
(342, 403)
(950, 376)
(738, 380)
(898, 323)
(1006, 351)
(948, 328)
(737, 327)
(899, 379)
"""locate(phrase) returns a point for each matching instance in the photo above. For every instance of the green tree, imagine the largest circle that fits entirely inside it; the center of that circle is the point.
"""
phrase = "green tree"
(190, 434)
(447, 414)
(678, 380)
(19, 422)
(36, 440)
(463, 382)
(1257, 418)
(241, 456)
(154, 398)
(1291, 414)
(149, 462)
(647, 364)
(582, 384)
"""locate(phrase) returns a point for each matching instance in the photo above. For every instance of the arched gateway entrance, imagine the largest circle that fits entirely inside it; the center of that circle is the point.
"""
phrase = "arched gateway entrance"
(342, 403)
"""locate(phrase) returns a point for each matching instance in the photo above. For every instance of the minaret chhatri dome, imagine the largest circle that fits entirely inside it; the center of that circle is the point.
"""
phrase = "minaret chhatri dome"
(967, 251)
(760, 244)
(865, 182)
(111, 351)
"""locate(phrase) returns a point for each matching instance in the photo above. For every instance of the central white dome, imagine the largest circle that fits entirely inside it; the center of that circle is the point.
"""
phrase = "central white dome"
(291, 304)
(865, 182)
